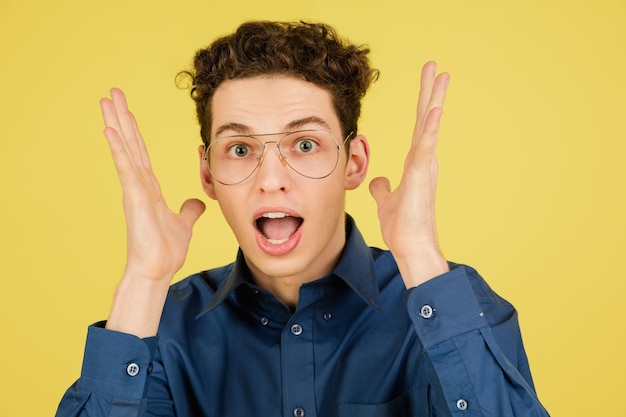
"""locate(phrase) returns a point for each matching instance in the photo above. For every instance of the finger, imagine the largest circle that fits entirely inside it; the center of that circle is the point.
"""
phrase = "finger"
(191, 210)
(111, 112)
(428, 142)
(380, 188)
(426, 86)
(141, 144)
(440, 88)
(127, 126)
(437, 99)
(124, 166)
(120, 150)
(110, 115)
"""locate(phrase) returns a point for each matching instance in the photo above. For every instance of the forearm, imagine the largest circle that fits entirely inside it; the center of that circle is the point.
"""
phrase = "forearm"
(421, 265)
(138, 305)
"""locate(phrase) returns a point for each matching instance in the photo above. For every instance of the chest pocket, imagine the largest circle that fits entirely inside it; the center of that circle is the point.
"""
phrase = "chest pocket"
(403, 406)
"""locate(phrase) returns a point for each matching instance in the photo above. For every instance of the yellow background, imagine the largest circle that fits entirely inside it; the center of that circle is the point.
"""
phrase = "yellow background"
(532, 157)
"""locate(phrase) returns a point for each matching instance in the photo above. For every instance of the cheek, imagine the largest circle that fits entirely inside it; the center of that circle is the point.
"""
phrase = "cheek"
(329, 200)
(230, 205)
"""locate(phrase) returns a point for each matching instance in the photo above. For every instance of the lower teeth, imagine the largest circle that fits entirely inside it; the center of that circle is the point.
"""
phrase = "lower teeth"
(278, 241)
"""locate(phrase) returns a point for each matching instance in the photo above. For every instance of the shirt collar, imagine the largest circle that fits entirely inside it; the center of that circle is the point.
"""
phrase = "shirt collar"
(355, 268)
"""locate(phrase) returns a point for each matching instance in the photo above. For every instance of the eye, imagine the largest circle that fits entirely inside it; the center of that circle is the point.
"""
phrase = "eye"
(305, 145)
(238, 150)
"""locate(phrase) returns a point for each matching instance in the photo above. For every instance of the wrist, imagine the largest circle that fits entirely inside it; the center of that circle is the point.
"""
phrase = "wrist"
(421, 266)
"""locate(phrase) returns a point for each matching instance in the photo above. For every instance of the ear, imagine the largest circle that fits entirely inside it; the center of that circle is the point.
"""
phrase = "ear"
(206, 178)
(358, 162)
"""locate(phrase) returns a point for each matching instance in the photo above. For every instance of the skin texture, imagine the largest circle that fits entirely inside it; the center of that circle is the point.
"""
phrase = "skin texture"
(407, 214)
(273, 104)
(158, 238)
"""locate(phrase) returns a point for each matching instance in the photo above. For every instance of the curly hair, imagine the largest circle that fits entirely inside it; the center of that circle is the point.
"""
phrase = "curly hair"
(309, 51)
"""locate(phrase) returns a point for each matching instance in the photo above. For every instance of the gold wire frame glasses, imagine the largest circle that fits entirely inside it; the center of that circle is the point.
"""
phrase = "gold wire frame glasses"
(311, 153)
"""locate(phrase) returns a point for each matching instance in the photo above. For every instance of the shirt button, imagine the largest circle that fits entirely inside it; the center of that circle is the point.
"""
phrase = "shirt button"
(264, 321)
(298, 412)
(461, 405)
(328, 316)
(132, 369)
(427, 311)
(296, 329)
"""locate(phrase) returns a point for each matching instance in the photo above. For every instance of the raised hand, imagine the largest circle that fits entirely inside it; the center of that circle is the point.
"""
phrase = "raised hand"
(407, 214)
(158, 239)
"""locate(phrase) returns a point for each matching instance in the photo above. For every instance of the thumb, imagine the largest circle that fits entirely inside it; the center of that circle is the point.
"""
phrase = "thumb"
(191, 210)
(380, 188)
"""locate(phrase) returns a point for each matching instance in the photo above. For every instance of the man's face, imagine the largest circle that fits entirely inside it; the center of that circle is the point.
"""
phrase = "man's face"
(288, 225)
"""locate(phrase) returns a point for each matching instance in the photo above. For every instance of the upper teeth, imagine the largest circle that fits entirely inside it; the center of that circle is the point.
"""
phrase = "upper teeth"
(274, 215)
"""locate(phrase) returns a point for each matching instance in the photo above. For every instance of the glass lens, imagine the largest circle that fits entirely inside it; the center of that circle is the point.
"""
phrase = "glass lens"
(312, 153)
(233, 159)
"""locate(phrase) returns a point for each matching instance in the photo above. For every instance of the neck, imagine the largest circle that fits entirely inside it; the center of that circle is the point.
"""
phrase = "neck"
(286, 288)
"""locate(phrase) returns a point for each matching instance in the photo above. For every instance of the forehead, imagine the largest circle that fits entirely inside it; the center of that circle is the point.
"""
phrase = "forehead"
(267, 104)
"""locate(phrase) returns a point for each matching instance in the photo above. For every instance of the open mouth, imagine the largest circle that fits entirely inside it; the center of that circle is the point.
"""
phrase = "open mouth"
(278, 227)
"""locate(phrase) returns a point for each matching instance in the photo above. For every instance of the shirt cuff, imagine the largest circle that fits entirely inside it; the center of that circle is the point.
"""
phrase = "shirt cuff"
(116, 364)
(444, 307)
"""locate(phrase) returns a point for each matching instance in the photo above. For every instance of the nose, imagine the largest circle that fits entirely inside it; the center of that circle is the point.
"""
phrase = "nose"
(273, 173)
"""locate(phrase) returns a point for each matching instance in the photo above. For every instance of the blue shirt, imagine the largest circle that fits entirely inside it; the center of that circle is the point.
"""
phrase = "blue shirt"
(357, 345)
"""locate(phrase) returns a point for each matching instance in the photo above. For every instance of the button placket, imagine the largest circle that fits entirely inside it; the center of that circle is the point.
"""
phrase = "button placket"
(297, 359)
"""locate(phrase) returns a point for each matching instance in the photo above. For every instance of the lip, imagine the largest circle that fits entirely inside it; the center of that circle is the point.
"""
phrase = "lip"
(276, 249)
(259, 212)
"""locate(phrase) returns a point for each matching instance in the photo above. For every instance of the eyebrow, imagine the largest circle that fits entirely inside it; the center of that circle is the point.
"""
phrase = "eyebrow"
(242, 129)
(235, 127)
(311, 120)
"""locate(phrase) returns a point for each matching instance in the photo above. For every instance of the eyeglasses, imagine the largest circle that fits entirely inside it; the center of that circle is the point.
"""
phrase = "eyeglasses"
(311, 153)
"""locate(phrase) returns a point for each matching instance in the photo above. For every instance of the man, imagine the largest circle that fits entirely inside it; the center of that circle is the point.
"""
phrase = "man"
(308, 321)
